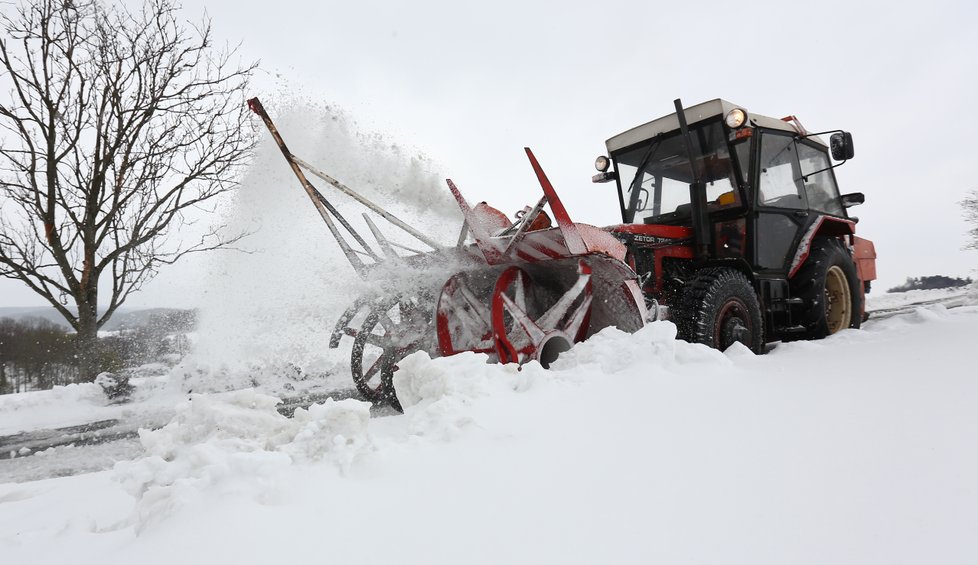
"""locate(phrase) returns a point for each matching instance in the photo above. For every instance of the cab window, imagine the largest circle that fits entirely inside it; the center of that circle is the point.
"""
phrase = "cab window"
(822, 192)
(779, 182)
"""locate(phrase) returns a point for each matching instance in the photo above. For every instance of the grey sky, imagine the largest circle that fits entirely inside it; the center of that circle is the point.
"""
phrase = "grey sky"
(470, 85)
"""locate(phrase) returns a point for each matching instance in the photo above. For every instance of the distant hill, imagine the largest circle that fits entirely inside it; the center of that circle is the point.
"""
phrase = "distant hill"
(123, 318)
(930, 283)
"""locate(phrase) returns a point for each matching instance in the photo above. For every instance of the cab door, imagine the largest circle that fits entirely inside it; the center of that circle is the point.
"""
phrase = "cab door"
(781, 206)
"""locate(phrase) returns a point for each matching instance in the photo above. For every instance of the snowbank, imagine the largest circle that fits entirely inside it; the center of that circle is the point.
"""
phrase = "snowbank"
(632, 449)
(78, 404)
(59, 406)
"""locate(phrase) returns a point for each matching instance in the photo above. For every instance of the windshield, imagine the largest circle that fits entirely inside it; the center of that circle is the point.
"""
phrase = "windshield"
(654, 178)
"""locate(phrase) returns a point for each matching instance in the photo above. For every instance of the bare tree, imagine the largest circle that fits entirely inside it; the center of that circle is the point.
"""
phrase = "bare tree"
(970, 207)
(120, 125)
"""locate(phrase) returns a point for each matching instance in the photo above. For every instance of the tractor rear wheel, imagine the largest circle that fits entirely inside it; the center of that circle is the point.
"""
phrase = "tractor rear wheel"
(719, 307)
(828, 285)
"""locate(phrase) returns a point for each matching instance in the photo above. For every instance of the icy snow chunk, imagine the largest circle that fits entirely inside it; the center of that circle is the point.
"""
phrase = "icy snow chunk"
(338, 428)
(237, 444)
(420, 378)
(213, 441)
(243, 420)
(436, 393)
(655, 345)
(738, 350)
(604, 349)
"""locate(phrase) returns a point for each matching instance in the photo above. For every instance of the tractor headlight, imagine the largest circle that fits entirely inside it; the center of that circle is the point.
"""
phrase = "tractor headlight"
(602, 163)
(736, 118)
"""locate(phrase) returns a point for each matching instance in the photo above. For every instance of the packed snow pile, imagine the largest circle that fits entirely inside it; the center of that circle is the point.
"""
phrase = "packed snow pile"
(634, 448)
(236, 443)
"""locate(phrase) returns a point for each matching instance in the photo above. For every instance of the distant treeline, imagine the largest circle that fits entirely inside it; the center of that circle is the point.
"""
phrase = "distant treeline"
(932, 282)
(37, 354)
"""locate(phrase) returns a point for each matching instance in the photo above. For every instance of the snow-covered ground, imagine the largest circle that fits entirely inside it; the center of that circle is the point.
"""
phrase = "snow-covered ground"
(633, 449)
(79, 404)
(882, 302)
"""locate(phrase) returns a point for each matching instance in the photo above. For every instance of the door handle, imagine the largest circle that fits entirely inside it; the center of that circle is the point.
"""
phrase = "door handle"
(801, 213)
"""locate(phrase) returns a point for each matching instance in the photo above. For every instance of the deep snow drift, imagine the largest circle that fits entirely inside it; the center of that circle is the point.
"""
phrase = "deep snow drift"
(633, 449)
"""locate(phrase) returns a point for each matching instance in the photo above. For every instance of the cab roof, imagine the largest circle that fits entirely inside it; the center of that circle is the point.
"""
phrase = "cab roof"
(695, 114)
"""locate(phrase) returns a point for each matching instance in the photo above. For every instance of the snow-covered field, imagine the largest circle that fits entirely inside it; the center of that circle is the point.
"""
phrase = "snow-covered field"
(882, 303)
(860, 448)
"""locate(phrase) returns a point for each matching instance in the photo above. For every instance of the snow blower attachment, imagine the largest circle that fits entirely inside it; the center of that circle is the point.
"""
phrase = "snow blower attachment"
(733, 228)
(521, 291)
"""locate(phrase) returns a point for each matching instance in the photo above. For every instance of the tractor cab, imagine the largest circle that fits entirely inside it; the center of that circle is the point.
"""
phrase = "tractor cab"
(654, 177)
(765, 181)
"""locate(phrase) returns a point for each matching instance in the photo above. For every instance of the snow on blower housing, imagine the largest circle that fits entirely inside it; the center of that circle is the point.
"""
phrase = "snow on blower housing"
(732, 227)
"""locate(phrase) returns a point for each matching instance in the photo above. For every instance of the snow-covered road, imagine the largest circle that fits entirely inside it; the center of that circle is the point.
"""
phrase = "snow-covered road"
(634, 448)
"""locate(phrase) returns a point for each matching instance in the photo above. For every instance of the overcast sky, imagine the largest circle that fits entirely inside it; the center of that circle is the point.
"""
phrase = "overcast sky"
(470, 85)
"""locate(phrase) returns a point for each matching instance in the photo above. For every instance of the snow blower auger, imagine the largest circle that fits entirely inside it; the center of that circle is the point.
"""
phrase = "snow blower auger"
(521, 291)
(732, 226)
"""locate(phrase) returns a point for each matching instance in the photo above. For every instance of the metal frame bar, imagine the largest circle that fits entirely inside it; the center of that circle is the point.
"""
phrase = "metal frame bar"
(328, 212)
(374, 207)
(317, 199)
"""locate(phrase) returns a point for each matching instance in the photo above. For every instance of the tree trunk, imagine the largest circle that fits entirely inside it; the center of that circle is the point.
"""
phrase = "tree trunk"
(86, 340)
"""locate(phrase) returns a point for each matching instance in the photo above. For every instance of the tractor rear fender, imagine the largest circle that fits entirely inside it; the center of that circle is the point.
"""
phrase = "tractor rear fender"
(864, 253)
(824, 226)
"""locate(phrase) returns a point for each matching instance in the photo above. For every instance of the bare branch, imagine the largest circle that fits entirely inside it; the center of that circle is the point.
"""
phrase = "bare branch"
(120, 125)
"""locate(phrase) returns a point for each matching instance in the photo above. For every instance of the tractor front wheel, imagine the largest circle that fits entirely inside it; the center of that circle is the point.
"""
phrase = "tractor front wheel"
(719, 307)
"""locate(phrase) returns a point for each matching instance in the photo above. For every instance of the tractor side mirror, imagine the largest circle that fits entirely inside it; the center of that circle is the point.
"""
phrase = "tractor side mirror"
(841, 145)
(852, 199)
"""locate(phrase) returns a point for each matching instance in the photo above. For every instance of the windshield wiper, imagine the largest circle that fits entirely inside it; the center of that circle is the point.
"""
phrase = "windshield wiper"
(634, 190)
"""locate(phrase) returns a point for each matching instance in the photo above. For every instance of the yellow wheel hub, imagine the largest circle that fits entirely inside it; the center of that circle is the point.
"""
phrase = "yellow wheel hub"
(838, 300)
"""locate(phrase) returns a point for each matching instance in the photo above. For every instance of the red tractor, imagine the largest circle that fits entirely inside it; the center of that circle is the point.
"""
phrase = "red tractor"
(735, 223)
(732, 226)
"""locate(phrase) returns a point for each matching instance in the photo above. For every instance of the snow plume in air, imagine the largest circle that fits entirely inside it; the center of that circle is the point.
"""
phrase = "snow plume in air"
(272, 306)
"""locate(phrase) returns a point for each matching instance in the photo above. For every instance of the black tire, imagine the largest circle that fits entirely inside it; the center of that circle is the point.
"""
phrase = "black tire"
(821, 282)
(718, 307)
